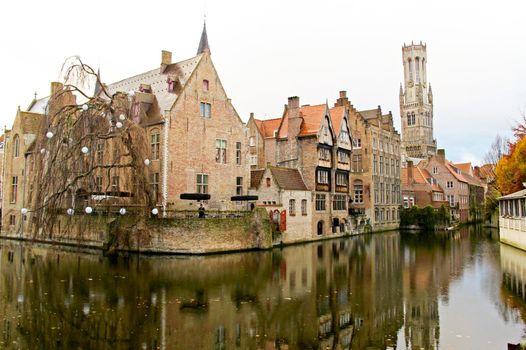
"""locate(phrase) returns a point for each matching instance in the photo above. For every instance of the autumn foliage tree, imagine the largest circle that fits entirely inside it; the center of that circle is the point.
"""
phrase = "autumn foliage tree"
(511, 169)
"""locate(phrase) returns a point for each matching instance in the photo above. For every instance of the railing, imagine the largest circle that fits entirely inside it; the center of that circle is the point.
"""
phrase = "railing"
(511, 223)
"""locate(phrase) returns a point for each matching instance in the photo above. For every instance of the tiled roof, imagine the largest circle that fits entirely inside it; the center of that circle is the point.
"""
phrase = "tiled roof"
(158, 81)
(312, 119)
(464, 167)
(420, 176)
(255, 177)
(288, 178)
(453, 171)
(337, 114)
(487, 171)
(268, 126)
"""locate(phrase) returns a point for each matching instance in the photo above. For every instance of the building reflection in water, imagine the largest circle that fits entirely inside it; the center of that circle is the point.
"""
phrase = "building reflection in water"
(372, 292)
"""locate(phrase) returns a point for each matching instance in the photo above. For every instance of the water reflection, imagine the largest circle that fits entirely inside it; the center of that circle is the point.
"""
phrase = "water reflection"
(380, 291)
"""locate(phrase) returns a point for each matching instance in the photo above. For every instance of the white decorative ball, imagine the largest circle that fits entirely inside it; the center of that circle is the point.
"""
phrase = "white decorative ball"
(84, 150)
(131, 93)
(42, 151)
(122, 211)
(146, 162)
(118, 125)
(49, 135)
(155, 211)
(70, 211)
(24, 211)
(122, 117)
(85, 107)
(88, 210)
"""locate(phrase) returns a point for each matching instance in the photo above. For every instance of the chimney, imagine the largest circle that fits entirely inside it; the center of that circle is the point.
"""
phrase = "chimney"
(166, 59)
(56, 87)
(441, 155)
(342, 100)
(409, 171)
(294, 121)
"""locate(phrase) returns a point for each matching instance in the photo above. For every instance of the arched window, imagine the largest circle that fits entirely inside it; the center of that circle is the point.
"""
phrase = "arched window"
(417, 69)
(155, 144)
(16, 146)
(424, 72)
(358, 191)
(410, 68)
(320, 228)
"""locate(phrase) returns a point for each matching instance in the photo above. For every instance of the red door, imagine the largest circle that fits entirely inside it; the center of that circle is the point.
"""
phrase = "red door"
(283, 221)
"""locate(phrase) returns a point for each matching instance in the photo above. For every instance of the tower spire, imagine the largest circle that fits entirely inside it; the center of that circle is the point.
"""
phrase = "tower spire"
(203, 43)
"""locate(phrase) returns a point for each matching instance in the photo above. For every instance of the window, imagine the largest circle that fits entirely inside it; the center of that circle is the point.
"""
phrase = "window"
(343, 157)
(253, 160)
(303, 207)
(435, 170)
(376, 198)
(411, 118)
(16, 146)
(154, 183)
(342, 179)
(12, 220)
(449, 184)
(206, 110)
(382, 193)
(374, 142)
(325, 154)
(252, 141)
(344, 136)
(98, 184)
(292, 207)
(238, 153)
(358, 191)
(392, 167)
(100, 153)
(397, 168)
(155, 144)
(205, 85)
(320, 202)
(340, 202)
(323, 176)
(14, 188)
(357, 143)
(357, 165)
(268, 181)
(381, 165)
(115, 184)
(375, 164)
(417, 69)
(202, 183)
(221, 151)
(239, 186)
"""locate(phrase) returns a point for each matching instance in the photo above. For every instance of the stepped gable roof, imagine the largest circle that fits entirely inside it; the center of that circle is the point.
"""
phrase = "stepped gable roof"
(158, 81)
(369, 114)
(268, 126)
(312, 119)
(255, 177)
(337, 114)
(288, 178)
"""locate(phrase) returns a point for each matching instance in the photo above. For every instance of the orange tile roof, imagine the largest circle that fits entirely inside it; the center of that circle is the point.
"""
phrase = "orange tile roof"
(452, 170)
(465, 167)
(312, 119)
(337, 114)
(487, 171)
(420, 176)
(266, 127)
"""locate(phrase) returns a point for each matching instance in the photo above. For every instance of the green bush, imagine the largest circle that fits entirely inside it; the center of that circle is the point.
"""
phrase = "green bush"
(426, 218)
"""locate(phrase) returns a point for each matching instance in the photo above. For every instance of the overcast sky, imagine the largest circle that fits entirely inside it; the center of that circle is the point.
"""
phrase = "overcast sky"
(268, 50)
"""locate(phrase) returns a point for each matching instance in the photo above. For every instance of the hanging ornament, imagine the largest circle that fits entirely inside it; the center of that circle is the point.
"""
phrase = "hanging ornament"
(146, 162)
(122, 211)
(155, 211)
(42, 151)
(131, 93)
(49, 135)
(70, 211)
(122, 117)
(85, 107)
(118, 125)
(24, 211)
(84, 150)
(88, 210)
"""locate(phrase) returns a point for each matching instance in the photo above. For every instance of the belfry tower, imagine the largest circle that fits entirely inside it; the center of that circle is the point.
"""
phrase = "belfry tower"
(416, 104)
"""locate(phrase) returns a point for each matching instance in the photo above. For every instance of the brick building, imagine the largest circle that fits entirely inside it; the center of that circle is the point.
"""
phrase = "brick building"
(420, 188)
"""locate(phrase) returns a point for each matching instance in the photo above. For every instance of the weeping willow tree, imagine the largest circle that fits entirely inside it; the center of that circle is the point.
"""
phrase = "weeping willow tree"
(90, 157)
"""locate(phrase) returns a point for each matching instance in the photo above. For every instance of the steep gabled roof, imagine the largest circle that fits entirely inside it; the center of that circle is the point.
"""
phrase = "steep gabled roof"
(453, 170)
(255, 177)
(312, 119)
(337, 115)
(158, 81)
(38, 105)
(268, 126)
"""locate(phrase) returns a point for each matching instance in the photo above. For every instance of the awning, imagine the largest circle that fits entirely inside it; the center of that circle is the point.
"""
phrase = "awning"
(195, 196)
(244, 198)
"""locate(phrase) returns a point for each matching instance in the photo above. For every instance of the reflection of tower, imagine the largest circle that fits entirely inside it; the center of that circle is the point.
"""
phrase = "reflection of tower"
(416, 104)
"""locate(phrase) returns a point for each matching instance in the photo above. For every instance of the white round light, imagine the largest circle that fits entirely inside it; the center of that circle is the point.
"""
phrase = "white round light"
(24, 211)
(49, 135)
(70, 211)
(88, 210)
(84, 150)
(85, 107)
(122, 211)
(146, 162)
(118, 125)
(155, 211)
(131, 93)
(122, 117)
(42, 151)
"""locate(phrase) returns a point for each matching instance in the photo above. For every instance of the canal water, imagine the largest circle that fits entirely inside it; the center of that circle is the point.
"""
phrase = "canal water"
(461, 290)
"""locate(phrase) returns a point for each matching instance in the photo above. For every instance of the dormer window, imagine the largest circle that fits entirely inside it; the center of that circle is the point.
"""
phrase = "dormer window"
(205, 85)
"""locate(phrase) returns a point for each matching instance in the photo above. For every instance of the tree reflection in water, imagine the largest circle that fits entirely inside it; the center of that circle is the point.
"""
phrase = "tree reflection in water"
(377, 291)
